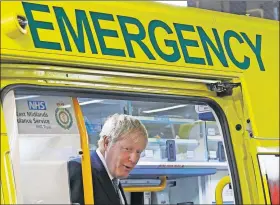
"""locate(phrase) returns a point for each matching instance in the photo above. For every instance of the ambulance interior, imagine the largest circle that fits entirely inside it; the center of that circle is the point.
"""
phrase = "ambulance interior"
(185, 144)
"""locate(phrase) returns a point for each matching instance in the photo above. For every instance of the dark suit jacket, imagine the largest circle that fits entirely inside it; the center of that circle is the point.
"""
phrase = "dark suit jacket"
(104, 192)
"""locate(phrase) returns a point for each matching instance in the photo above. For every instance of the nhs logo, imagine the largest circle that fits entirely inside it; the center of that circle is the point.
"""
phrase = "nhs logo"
(36, 105)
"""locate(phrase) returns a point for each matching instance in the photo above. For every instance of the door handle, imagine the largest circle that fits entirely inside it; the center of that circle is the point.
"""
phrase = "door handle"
(219, 189)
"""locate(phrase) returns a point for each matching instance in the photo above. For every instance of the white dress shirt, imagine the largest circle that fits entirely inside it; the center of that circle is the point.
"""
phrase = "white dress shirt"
(108, 172)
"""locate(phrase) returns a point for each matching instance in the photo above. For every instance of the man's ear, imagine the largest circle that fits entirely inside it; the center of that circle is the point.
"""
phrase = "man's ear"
(106, 142)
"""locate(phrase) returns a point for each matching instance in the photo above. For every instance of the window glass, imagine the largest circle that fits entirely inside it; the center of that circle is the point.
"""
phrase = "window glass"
(189, 129)
(270, 170)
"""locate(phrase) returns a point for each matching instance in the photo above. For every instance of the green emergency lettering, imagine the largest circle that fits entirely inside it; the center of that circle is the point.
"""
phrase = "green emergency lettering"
(175, 56)
(135, 35)
(207, 42)
(81, 22)
(34, 25)
(227, 36)
(184, 43)
(101, 33)
(256, 49)
(138, 38)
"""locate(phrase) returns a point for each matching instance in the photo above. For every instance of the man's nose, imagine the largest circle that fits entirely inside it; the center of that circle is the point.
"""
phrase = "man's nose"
(134, 157)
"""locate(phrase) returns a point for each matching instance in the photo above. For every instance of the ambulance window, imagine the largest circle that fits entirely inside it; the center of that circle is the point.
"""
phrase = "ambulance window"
(185, 143)
(270, 172)
(190, 129)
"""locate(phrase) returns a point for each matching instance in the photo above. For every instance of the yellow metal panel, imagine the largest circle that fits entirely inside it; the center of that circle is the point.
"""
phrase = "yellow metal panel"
(160, 187)
(262, 101)
(144, 12)
(7, 178)
(2, 196)
(97, 79)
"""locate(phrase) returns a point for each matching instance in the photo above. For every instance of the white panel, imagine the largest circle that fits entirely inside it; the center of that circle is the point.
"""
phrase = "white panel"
(45, 182)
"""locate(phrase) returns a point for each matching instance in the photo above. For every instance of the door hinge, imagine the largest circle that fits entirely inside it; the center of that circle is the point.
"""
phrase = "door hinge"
(222, 88)
(249, 128)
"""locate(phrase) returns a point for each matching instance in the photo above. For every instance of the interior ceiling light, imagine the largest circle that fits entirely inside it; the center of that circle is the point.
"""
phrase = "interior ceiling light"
(27, 97)
(91, 102)
(164, 109)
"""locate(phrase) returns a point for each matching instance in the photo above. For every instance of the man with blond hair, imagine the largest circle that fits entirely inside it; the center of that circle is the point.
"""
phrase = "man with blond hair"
(122, 139)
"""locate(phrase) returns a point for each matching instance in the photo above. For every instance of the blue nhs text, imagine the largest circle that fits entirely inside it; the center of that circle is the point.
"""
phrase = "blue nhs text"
(37, 105)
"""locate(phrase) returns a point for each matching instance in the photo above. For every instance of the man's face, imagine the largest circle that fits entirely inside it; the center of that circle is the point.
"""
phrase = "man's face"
(122, 156)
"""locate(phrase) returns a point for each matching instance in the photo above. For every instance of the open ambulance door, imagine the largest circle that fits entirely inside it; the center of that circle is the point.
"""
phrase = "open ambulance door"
(259, 150)
(262, 119)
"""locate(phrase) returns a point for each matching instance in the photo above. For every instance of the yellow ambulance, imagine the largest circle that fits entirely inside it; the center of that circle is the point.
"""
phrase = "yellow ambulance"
(205, 84)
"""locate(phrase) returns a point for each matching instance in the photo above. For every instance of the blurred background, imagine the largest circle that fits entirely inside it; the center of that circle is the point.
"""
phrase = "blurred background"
(261, 9)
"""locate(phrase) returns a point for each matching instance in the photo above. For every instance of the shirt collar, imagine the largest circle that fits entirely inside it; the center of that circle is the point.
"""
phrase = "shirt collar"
(100, 155)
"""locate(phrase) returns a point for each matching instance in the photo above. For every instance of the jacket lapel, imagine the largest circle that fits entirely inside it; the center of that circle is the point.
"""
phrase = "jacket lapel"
(103, 177)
